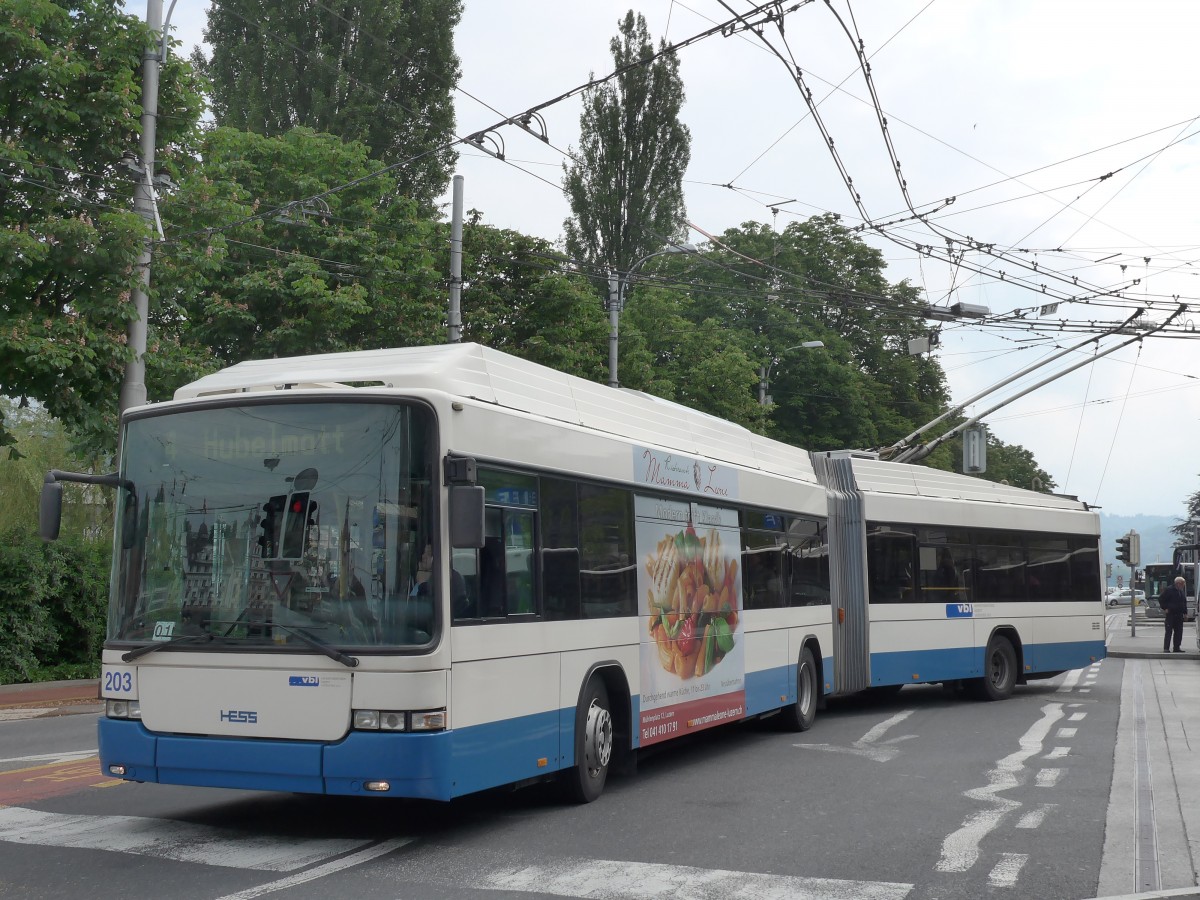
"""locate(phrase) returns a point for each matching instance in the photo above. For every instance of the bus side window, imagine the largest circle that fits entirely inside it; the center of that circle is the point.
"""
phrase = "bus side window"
(492, 587)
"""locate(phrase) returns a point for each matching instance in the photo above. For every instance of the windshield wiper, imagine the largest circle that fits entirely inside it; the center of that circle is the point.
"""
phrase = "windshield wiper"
(317, 644)
(150, 648)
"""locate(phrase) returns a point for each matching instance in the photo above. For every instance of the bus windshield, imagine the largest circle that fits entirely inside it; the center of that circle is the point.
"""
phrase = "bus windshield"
(274, 525)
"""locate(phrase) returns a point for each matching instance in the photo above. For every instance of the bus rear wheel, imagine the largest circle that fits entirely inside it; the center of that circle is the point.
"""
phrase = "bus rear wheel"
(999, 670)
(800, 715)
(584, 782)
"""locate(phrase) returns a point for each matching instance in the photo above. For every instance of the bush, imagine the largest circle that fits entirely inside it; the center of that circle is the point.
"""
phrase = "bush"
(52, 607)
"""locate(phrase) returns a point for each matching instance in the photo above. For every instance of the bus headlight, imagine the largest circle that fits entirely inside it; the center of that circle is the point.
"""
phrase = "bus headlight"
(122, 709)
(366, 719)
(399, 720)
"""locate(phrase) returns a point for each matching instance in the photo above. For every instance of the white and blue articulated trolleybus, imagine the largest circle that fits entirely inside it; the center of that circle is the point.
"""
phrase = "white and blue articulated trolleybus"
(431, 571)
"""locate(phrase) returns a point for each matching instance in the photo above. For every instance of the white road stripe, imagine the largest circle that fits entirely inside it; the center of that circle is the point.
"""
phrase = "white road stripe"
(600, 879)
(13, 715)
(1077, 717)
(329, 868)
(1048, 777)
(960, 849)
(869, 745)
(167, 839)
(1070, 681)
(1005, 872)
(1035, 817)
(65, 756)
(1057, 753)
(1065, 733)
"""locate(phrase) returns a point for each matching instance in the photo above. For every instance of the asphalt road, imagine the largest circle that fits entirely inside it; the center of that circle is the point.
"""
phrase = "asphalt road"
(922, 795)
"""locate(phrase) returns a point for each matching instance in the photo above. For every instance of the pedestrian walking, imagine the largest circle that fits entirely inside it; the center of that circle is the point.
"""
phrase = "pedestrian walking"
(1174, 604)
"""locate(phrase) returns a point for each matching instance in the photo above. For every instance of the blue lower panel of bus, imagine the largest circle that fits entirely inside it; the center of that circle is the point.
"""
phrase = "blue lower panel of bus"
(772, 688)
(917, 666)
(436, 766)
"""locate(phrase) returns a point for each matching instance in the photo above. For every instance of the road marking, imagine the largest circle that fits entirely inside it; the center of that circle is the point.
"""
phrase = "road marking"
(329, 868)
(1035, 817)
(601, 879)
(167, 839)
(1065, 733)
(1005, 872)
(1048, 777)
(65, 756)
(1070, 682)
(1057, 753)
(869, 745)
(1077, 717)
(960, 849)
(12, 715)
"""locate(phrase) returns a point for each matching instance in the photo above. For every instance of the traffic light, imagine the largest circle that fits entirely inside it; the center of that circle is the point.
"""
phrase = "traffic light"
(1123, 549)
(272, 522)
(301, 517)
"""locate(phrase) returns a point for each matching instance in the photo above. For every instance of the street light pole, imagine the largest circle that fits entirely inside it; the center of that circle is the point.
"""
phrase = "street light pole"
(618, 286)
(133, 387)
(764, 372)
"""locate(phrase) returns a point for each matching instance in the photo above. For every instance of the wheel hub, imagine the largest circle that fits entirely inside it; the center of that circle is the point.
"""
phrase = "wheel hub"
(597, 737)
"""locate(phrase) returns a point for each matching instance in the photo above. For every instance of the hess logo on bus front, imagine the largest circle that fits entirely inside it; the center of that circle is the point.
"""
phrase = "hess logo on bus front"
(239, 716)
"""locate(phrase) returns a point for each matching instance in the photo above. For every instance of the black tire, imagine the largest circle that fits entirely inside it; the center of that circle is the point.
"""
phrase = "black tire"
(584, 782)
(800, 715)
(999, 670)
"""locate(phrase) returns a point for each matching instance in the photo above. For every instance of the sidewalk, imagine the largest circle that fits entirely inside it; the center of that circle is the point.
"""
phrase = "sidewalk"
(1152, 831)
(49, 698)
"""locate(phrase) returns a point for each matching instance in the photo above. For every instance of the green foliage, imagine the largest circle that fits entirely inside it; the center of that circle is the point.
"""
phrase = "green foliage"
(346, 272)
(52, 605)
(52, 596)
(69, 107)
(42, 444)
(379, 72)
(1186, 530)
(517, 298)
(625, 186)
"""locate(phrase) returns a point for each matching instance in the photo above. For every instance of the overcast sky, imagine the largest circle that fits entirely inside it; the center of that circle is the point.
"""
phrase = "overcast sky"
(1015, 109)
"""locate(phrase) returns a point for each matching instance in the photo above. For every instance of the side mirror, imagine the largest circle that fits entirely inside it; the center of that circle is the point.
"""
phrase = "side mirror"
(50, 512)
(466, 516)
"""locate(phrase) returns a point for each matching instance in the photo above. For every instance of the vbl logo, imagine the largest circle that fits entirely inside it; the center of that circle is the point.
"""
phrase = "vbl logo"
(239, 716)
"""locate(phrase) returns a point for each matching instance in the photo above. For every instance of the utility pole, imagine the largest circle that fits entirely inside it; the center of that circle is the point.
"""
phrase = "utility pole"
(456, 228)
(133, 388)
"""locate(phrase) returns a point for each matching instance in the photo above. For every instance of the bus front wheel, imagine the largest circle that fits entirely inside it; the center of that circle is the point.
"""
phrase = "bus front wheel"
(800, 715)
(999, 670)
(593, 744)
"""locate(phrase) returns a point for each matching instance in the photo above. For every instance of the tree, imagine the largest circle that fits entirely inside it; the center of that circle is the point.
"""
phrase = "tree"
(1187, 530)
(518, 298)
(381, 72)
(248, 276)
(625, 185)
(69, 241)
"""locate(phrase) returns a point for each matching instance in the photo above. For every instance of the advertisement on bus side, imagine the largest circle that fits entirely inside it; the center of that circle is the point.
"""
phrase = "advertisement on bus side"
(693, 669)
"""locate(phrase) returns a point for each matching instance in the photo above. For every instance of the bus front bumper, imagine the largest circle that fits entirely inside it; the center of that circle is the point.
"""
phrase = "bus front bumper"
(411, 765)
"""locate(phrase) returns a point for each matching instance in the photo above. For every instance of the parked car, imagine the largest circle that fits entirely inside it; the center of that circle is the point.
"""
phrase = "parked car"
(1122, 598)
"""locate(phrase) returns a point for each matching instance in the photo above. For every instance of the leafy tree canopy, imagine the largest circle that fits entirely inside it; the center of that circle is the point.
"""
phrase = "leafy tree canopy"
(380, 72)
(69, 108)
(625, 185)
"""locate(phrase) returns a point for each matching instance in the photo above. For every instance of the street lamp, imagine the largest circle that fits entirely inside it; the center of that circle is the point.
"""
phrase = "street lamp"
(618, 286)
(764, 372)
